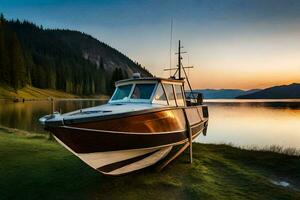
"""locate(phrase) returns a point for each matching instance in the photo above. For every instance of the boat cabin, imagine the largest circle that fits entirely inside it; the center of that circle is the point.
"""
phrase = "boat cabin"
(165, 92)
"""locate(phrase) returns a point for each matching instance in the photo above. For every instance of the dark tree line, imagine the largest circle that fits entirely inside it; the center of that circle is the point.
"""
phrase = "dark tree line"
(31, 55)
(12, 63)
(118, 74)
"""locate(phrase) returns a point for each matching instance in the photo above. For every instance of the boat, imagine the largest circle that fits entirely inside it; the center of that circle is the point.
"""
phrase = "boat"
(145, 118)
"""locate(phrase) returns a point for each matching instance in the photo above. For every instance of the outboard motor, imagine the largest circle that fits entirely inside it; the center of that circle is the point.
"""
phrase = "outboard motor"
(199, 99)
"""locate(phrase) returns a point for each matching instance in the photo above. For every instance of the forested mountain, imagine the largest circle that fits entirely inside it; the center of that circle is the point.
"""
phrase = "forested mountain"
(291, 91)
(66, 60)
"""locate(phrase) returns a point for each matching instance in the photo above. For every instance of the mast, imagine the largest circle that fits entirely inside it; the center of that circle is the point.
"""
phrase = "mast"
(179, 65)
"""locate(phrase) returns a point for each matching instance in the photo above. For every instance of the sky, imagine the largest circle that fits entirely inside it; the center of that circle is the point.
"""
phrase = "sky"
(241, 44)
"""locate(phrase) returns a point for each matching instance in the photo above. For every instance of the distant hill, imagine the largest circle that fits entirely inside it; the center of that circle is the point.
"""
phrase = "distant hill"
(291, 91)
(65, 60)
(222, 93)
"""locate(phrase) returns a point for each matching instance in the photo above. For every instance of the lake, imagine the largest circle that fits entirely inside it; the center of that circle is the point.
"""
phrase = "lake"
(239, 122)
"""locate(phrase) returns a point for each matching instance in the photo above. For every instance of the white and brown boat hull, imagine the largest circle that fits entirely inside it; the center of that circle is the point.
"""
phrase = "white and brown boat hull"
(122, 144)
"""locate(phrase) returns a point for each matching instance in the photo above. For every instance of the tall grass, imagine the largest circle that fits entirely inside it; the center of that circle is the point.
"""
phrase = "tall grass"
(291, 151)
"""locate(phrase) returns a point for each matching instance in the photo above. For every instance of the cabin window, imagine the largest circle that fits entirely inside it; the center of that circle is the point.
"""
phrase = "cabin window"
(170, 94)
(122, 92)
(143, 91)
(160, 96)
(179, 96)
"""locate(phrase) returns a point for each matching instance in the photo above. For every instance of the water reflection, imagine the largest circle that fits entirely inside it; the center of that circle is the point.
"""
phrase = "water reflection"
(25, 115)
(254, 123)
(241, 122)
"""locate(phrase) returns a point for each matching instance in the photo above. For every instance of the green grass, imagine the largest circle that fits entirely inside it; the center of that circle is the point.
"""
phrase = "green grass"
(33, 93)
(34, 167)
(30, 92)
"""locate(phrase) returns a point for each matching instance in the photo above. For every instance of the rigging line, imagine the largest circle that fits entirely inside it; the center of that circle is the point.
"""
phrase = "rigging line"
(175, 73)
(188, 64)
(171, 37)
(192, 92)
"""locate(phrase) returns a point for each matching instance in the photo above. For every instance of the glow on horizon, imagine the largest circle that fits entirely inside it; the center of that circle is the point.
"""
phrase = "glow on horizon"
(252, 60)
(232, 44)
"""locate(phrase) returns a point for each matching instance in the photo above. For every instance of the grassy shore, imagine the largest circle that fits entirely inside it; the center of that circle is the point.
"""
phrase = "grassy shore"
(32, 93)
(29, 92)
(34, 167)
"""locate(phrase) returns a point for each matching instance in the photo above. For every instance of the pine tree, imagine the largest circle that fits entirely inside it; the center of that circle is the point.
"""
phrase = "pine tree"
(4, 54)
(30, 66)
(2, 51)
(51, 79)
(103, 83)
(92, 87)
(2, 19)
(101, 63)
(18, 70)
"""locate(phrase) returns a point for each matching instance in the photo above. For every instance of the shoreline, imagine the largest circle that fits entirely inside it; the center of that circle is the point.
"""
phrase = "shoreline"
(289, 151)
(56, 99)
(205, 100)
(29, 93)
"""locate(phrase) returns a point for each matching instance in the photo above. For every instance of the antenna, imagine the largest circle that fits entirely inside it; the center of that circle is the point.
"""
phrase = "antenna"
(171, 37)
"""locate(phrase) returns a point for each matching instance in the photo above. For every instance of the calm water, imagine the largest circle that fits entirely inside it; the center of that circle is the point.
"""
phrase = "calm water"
(255, 122)
(25, 115)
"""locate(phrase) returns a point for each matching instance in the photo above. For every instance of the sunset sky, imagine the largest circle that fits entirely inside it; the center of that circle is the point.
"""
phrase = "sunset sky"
(231, 43)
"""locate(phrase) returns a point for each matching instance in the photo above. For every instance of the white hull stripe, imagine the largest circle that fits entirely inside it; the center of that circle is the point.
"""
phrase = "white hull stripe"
(99, 159)
(146, 162)
(107, 131)
(137, 133)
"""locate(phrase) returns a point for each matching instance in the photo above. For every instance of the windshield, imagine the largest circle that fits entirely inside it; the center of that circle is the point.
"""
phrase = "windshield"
(179, 96)
(143, 91)
(122, 92)
(160, 96)
(170, 94)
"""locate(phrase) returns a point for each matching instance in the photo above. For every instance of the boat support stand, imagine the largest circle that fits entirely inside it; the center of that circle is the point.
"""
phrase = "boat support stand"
(186, 145)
